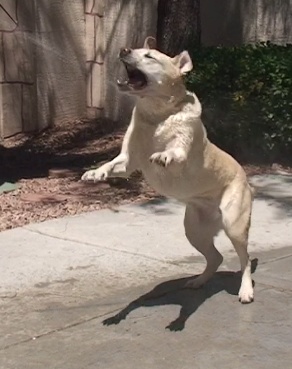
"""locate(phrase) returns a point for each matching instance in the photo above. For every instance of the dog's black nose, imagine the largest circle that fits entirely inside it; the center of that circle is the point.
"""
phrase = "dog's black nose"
(124, 52)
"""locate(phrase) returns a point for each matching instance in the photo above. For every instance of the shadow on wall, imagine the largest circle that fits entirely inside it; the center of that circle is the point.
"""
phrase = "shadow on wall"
(60, 61)
(16, 66)
(58, 56)
(222, 22)
(128, 24)
(57, 59)
(274, 22)
(44, 64)
(232, 22)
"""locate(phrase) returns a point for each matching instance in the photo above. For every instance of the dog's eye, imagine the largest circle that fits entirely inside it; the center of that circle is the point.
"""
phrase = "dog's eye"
(149, 56)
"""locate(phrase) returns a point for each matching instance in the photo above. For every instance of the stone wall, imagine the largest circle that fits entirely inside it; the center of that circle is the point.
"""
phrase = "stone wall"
(95, 52)
(17, 66)
(233, 22)
(60, 55)
(110, 25)
(42, 64)
(58, 59)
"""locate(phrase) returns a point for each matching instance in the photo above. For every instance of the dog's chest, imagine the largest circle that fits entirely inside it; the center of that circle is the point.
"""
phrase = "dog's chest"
(166, 181)
(154, 139)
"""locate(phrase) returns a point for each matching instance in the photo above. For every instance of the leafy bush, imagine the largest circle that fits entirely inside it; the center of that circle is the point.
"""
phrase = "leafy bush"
(246, 93)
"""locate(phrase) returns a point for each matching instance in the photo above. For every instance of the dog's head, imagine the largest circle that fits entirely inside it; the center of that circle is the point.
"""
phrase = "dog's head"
(150, 72)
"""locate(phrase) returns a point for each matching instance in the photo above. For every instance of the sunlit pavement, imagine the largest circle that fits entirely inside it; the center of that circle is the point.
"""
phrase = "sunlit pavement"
(62, 278)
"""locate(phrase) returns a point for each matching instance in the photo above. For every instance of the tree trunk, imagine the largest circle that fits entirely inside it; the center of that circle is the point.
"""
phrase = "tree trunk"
(178, 25)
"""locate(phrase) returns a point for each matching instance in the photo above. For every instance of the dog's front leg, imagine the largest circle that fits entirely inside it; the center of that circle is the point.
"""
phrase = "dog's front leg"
(121, 166)
(176, 150)
(118, 167)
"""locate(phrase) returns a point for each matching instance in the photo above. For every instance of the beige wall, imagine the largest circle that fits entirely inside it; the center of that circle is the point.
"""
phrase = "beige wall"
(110, 25)
(58, 59)
(130, 22)
(17, 66)
(42, 64)
(231, 22)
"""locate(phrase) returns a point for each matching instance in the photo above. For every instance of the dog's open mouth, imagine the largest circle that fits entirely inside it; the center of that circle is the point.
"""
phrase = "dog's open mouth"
(136, 79)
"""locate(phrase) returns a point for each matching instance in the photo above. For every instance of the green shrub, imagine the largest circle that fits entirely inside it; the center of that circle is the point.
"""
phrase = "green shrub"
(246, 93)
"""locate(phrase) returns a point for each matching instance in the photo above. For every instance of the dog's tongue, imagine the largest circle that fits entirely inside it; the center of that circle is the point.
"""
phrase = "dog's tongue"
(136, 78)
(135, 81)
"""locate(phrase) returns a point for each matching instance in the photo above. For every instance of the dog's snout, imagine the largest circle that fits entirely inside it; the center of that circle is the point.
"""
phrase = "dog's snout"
(124, 52)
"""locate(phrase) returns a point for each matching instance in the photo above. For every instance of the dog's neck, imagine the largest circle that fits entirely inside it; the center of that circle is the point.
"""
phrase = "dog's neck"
(159, 107)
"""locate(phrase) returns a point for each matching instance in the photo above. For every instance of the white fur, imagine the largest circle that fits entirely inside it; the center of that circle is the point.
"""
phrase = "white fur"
(167, 141)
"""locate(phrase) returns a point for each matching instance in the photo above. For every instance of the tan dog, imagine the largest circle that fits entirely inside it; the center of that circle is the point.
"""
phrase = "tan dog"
(167, 141)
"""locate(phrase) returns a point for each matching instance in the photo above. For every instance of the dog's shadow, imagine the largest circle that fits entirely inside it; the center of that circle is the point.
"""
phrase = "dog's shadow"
(173, 293)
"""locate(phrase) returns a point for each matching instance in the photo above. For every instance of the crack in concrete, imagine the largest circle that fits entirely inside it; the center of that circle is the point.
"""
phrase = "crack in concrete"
(56, 330)
(276, 259)
(123, 251)
(270, 286)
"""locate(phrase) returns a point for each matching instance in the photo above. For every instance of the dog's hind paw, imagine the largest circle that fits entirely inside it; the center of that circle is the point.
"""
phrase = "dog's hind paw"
(246, 295)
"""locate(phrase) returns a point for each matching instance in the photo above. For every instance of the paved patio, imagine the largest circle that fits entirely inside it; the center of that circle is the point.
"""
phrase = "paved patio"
(62, 278)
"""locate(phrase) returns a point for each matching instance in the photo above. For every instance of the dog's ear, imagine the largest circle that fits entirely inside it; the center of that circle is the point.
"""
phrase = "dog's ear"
(183, 61)
(149, 43)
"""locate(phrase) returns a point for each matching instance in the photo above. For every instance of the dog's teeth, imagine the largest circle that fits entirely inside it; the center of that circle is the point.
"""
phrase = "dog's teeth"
(122, 83)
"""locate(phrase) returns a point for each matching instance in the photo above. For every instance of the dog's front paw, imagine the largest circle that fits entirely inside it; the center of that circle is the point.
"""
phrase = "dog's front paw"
(95, 175)
(163, 158)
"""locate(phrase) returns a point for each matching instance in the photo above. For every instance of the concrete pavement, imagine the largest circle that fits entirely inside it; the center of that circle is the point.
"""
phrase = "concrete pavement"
(60, 279)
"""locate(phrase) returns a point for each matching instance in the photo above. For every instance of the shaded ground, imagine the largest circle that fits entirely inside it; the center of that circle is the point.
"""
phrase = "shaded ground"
(48, 166)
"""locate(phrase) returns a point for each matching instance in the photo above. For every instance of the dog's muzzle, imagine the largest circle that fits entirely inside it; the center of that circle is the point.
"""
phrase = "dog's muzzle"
(135, 79)
(124, 52)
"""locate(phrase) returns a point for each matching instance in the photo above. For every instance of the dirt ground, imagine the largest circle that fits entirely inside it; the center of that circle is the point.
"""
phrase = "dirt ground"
(47, 169)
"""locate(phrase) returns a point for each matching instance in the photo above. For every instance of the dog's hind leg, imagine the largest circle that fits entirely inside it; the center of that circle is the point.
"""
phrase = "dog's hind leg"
(236, 208)
(200, 229)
